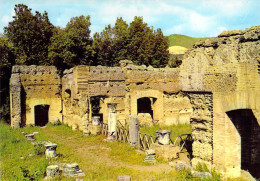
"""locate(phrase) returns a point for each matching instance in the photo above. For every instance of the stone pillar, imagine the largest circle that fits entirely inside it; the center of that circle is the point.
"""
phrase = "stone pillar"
(112, 120)
(15, 100)
(50, 150)
(163, 137)
(134, 130)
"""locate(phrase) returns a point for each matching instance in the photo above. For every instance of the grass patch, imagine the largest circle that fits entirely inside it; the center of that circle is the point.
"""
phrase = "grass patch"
(174, 129)
(98, 159)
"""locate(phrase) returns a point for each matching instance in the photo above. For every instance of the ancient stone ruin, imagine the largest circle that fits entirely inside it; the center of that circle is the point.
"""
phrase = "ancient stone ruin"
(216, 90)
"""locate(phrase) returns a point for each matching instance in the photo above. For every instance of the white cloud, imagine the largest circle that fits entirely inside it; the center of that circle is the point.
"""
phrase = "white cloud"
(226, 7)
(217, 31)
(6, 19)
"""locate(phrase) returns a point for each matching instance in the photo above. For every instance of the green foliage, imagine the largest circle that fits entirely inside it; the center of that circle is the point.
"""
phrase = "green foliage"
(72, 46)
(174, 129)
(109, 45)
(7, 58)
(39, 149)
(17, 159)
(175, 61)
(126, 153)
(30, 35)
(184, 175)
(182, 40)
(201, 167)
(136, 42)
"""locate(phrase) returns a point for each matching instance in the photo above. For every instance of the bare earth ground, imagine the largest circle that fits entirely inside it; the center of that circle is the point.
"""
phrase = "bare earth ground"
(94, 156)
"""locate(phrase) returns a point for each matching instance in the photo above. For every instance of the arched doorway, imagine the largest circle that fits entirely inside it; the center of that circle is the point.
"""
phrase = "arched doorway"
(249, 130)
(41, 114)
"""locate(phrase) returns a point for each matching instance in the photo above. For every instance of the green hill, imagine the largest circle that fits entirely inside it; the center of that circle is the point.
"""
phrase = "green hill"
(182, 40)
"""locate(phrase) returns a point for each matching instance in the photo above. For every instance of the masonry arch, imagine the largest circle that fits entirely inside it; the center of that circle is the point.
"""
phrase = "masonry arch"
(148, 101)
(230, 145)
(249, 131)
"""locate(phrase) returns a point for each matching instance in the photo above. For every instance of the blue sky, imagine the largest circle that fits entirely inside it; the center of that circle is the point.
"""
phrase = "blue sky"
(196, 18)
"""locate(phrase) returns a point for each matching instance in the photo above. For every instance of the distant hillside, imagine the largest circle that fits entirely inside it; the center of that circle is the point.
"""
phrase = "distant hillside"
(177, 50)
(182, 40)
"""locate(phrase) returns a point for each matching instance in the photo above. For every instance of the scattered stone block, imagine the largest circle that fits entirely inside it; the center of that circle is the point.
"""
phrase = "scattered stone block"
(52, 171)
(29, 137)
(179, 165)
(150, 156)
(124, 178)
(73, 170)
(94, 129)
(166, 152)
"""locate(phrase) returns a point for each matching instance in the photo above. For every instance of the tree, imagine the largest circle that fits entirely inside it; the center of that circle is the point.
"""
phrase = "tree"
(72, 46)
(110, 44)
(136, 42)
(161, 54)
(30, 35)
(104, 47)
(7, 58)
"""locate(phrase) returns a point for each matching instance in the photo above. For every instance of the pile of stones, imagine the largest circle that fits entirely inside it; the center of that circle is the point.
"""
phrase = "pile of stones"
(67, 169)
(150, 156)
(72, 169)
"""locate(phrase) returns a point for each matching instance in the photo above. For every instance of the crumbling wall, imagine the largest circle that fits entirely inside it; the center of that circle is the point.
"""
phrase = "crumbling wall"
(202, 127)
(39, 85)
(228, 68)
(121, 85)
(177, 109)
(142, 81)
(85, 83)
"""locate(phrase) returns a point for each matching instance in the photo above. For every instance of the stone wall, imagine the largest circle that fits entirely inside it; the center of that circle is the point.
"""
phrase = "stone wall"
(36, 85)
(217, 76)
(227, 68)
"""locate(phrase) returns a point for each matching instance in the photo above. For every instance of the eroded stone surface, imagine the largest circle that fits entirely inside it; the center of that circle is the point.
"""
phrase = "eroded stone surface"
(216, 76)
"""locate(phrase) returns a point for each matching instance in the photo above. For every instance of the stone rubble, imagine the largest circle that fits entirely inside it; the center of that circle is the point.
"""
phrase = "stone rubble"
(150, 156)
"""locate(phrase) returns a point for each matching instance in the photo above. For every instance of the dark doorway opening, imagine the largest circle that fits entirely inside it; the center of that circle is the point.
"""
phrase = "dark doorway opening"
(41, 113)
(249, 131)
(144, 105)
(95, 102)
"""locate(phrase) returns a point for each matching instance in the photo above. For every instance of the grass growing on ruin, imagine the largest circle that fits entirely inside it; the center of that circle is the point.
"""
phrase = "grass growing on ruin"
(98, 159)
(174, 129)
(18, 160)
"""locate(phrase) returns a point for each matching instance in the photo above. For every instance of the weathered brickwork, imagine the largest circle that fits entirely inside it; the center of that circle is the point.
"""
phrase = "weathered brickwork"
(217, 76)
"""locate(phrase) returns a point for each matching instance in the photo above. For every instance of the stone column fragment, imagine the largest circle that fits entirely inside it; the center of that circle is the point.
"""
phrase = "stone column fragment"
(15, 100)
(112, 119)
(134, 130)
